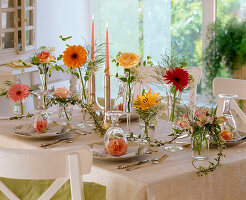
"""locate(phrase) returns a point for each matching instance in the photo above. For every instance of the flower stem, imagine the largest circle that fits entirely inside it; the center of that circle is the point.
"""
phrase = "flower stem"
(129, 92)
(83, 86)
(65, 111)
(146, 129)
(173, 106)
(22, 108)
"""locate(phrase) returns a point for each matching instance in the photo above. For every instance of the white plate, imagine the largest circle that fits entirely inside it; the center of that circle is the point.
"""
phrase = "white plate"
(27, 131)
(134, 149)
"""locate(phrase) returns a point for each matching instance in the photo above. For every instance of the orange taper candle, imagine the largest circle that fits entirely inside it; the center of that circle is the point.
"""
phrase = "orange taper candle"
(93, 40)
(107, 53)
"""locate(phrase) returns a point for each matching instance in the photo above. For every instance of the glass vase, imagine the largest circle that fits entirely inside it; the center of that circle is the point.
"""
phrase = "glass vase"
(128, 102)
(172, 103)
(64, 113)
(19, 108)
(200, 146)
(43, 78)
(148, 128)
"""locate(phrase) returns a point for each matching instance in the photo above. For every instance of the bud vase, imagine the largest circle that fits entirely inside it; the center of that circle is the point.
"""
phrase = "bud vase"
(200, 146)
(128, 102)
(172, 104)
(19, 108)
(148, 128)
(64, 113)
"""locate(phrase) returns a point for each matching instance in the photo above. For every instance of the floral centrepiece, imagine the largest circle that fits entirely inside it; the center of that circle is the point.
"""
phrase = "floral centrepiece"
(46, 61)
(178, 78)
(62, 98)
(148, 107)
(204, 128)
(17, 93)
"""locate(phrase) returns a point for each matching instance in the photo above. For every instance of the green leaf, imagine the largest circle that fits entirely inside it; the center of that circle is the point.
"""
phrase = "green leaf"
(66, 38)
(148, 57)
(59, 57)
(173, 89)
(123, 79)
(144, 63)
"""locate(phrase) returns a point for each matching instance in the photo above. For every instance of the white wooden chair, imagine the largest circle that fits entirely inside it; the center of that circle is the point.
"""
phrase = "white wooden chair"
(230, 86)
(60, 164)
(196, 72)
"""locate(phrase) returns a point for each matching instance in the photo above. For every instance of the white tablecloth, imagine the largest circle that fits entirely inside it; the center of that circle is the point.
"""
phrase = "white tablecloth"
(173, 179)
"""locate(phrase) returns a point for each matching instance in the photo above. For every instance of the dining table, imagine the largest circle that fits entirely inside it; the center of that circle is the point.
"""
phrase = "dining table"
(174, 178)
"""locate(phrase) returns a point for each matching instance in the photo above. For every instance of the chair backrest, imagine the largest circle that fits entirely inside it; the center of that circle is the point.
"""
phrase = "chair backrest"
(60, 164)
(196, 73)
(230, 86)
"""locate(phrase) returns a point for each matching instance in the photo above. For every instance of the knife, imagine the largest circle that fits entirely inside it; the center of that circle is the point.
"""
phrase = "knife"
(139, 163)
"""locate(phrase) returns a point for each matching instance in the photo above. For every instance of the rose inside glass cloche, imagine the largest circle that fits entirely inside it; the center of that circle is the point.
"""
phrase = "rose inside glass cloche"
(115, 141)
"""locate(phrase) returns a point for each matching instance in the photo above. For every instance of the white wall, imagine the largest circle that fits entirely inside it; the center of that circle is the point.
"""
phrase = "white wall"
(55, 18)
(62, 17)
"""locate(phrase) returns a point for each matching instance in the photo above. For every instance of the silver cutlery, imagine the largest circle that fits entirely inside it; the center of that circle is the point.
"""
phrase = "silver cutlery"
(140, 162)
(72, 128)
(154, 161)
(58, 141)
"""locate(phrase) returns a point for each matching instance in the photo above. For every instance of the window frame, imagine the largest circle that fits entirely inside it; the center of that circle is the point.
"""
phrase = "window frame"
(9, 54)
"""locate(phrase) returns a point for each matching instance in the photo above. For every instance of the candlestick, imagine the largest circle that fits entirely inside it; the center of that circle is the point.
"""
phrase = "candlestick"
(93, 97)
(107, 97)
(107, 69)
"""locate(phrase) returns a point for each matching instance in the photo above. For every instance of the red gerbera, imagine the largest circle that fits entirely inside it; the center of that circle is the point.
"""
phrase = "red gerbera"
(178, 77)
(18, 92)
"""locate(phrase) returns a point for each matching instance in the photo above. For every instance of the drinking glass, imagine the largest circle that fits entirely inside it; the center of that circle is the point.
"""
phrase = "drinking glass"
(230, 123)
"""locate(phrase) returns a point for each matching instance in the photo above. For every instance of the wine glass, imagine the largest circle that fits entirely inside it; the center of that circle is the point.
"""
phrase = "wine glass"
(230, 123)
(118, 108)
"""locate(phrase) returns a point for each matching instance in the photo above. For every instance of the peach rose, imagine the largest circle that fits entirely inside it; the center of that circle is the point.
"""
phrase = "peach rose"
(62, 93)
(44, 57)
(226, 135)
(116, 147)
(40, 126)
(128, 60)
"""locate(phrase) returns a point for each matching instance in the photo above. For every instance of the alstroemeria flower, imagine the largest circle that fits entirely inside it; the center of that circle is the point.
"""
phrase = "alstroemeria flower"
(184, 123)
(147, 101)
(201, 114)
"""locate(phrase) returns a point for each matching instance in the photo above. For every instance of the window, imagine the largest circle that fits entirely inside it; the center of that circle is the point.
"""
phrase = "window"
(149, 27)
(17, 33)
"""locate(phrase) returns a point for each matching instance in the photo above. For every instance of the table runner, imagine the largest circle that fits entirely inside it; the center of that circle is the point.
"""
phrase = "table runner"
(175, 178)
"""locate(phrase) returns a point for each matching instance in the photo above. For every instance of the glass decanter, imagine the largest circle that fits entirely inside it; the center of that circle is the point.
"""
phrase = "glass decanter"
(230, 123)
(41, 118)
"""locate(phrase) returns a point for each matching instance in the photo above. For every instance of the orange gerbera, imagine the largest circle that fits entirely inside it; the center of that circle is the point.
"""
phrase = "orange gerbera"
(74, 56)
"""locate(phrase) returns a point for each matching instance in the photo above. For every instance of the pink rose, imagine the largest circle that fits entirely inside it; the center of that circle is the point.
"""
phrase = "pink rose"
(44, 57)
(40, 126)
(62, 93)
(116, 147)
